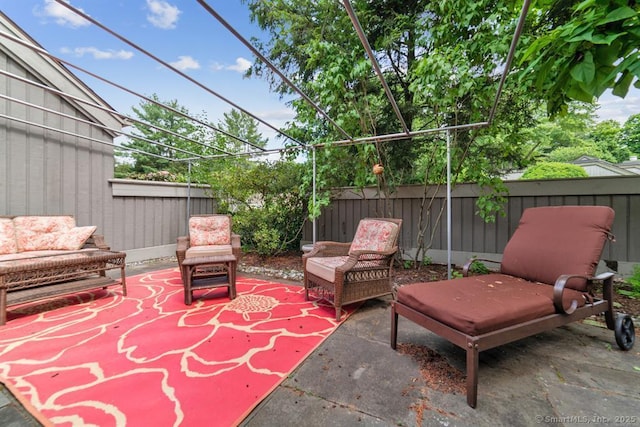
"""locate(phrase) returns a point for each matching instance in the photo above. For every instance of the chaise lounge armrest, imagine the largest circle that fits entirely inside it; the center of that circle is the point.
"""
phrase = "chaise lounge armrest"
(558, 290)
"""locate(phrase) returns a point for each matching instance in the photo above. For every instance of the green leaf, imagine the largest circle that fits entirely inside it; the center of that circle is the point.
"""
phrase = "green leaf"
(621, 88)
(605, 38)
(577, 92)
(607, 54)
(583, 34)
(584, 5)
(585, 69)
(618, 14)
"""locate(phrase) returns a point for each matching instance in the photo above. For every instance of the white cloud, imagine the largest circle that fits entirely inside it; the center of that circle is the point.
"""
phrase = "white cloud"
(620, 109)
(62, 15)
(186, 63)
(240, 66)
(97, 53)
(216, 66)
(163, 15)
(282, 114)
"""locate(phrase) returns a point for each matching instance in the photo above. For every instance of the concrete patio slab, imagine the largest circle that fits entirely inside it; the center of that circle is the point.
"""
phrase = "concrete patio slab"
(573, 374)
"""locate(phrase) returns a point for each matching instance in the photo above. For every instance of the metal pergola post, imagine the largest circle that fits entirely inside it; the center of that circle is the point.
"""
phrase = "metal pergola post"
(314, 235)
(449, 204)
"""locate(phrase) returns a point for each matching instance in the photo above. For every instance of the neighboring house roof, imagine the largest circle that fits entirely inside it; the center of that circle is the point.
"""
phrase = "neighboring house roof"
(594, 167)
(55, 75)
(633, 165)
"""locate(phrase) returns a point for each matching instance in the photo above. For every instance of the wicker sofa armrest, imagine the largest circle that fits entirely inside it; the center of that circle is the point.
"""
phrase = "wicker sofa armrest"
(96, 241)
(365, 259)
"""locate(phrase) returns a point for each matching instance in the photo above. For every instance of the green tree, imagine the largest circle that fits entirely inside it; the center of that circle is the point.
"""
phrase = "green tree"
(266, 201)
(234, 136)
(443, 63)
(631, 134)
(607, 136)
(160, 141)
(244, 129)
(440, 60)
(580, 49)
(554, 170)
(566, 137)
(569, 154)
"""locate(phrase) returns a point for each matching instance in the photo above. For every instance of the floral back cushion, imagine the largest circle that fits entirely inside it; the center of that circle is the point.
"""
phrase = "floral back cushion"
(374, 235)
(35, 233)
(210, 230)
(73, 239)
(8, 244)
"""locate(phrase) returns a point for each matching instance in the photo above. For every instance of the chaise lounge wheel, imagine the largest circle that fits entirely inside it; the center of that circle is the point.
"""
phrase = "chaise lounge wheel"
(625, 332)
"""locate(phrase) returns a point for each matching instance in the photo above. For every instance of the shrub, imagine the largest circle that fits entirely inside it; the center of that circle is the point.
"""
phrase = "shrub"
(634, 281)
(554, 170)
(478, 267)
(266, 203)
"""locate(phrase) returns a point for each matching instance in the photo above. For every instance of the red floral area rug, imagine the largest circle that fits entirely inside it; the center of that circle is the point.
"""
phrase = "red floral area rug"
(147, 359)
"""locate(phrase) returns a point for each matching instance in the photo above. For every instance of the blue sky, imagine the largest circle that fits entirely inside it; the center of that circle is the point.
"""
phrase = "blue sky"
(185, 35)
(181, 33)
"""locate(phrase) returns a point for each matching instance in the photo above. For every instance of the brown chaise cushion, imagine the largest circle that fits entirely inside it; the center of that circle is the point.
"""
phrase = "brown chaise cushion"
(480, 304)
(555, 240)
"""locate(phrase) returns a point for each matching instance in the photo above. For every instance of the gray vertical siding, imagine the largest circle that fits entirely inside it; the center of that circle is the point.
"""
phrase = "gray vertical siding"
(48, 172)
(43, 171)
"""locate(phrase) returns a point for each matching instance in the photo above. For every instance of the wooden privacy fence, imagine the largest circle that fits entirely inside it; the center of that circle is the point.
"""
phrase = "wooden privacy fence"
(148, 216)
(470, 235)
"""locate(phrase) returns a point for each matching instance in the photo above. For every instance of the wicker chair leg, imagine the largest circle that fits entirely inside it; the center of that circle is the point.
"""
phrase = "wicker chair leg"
(394, 326)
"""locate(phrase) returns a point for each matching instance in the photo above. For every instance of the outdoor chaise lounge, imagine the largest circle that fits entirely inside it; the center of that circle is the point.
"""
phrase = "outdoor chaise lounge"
(546, 280)
(344, 273)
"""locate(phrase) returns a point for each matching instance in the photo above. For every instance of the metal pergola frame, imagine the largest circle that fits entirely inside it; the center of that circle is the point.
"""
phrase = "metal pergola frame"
(348, 139)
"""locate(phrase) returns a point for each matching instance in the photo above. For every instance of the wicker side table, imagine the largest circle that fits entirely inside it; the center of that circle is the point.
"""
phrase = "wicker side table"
(209, 272)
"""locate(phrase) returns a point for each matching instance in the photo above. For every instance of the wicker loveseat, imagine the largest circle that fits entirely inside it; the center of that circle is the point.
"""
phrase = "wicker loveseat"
(45, 256)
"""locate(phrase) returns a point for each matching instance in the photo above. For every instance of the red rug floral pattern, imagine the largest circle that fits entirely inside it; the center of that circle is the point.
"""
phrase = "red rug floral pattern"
(147, 359)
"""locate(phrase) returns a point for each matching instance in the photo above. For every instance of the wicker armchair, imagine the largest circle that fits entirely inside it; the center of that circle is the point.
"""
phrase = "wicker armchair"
(209, 235)
(344, 273)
